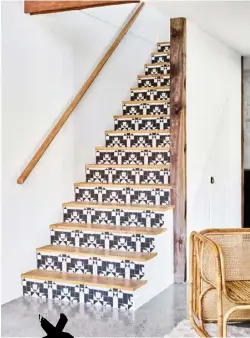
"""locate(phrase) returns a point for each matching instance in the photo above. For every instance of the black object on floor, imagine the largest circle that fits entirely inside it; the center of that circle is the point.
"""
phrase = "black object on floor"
(52, 331)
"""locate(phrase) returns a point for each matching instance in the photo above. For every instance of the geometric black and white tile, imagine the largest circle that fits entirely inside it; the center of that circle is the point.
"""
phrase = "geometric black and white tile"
(157, 68)
(90, 265)
(144, 94)
(153, 81)
(132, 175)
(136, 123)
(119, 217)
(160, 57)
(123, 195)
(91, 296)
(146, 108)
(138, 139)
(133, 156)
(103, 240)
(163, 47)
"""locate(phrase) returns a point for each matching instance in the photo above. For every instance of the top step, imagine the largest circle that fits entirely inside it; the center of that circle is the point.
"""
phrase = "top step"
(163, 46)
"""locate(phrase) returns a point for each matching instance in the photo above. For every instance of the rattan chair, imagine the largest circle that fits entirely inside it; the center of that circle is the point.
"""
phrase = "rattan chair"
(219, 278)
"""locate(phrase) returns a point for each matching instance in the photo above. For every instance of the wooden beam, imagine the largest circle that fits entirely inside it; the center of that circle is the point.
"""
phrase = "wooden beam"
(242, 145)
(39, 153)
(178, 142)
(44, 7)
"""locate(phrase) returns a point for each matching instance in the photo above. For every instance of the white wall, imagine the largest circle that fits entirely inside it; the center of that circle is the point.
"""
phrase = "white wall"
(213, 132)
(45, 59)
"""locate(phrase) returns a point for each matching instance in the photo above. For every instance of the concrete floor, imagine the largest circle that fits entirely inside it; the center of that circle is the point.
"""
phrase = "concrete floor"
(154, 319)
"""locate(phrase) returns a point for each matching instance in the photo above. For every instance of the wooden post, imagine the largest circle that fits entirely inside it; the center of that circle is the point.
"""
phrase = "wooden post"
(178, 142)
(45, 7)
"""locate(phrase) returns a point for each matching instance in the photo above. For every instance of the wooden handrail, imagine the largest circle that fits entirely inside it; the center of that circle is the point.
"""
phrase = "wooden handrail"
(22, 178)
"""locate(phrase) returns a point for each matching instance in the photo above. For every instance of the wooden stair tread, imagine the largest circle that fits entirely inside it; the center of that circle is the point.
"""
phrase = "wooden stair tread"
(123, 185)
(83, 279)
(161, 208)
(161, 53)
(146, 117)
(108, 228)
(153, 131)
(152, 75)
(163, 43)
(146, 102)
(132, 148)
(157, 64)
(139, 166)
(138, 89)
(110, 254)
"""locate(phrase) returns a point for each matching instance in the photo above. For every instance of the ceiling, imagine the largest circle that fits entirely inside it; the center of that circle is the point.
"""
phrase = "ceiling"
(228, 21)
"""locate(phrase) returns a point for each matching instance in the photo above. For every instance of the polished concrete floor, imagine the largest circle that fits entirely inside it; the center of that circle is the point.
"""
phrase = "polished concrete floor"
(154, 319)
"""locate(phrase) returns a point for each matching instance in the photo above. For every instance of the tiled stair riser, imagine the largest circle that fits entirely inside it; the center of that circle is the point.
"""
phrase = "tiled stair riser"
(154, 196)
(163, 57)
(89, 295)
(151, 108)
(163, 47)
(146, 139)
(119, 217)
(157, 123)
(154, 81)
(135, 156)
(103, 240)
(128, 175)
(149, 94)
(154, 69)
(90, 265)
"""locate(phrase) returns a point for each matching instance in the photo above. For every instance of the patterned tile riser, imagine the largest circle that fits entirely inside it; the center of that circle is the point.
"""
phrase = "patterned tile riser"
(147, 95)
(123, 195)
(90, 296)
(157, 69)
(160, 123)
(160, 58)
(132, 176)
(105, 240)
(90, 265)
(140, 140)
(145, 108)
(163, 48)
(133, 157)
(154, 82)
(119, 217)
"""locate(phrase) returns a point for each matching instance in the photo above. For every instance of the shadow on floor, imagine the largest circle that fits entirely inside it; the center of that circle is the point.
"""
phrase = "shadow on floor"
(154, 319)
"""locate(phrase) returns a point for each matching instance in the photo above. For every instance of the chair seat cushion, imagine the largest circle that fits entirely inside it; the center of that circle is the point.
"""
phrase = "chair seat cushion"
(239, 291)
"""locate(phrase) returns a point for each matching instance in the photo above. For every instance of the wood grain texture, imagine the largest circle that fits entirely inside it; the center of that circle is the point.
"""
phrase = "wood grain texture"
(124, 166)
(137, 132)
(45, 7)
(242, 145)
(167, 148)
(108, 228)
(79, 205)
(78, 97)
(146, 102)
(141, 89)
(122, 185)
(103, 253)
(75, 279)
(145, 117)
(178, 142)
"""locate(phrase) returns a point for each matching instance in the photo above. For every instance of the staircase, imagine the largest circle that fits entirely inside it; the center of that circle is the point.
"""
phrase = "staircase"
(115, 245)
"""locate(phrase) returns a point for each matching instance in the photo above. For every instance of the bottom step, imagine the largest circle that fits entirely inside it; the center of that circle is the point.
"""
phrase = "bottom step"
(88, 289)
